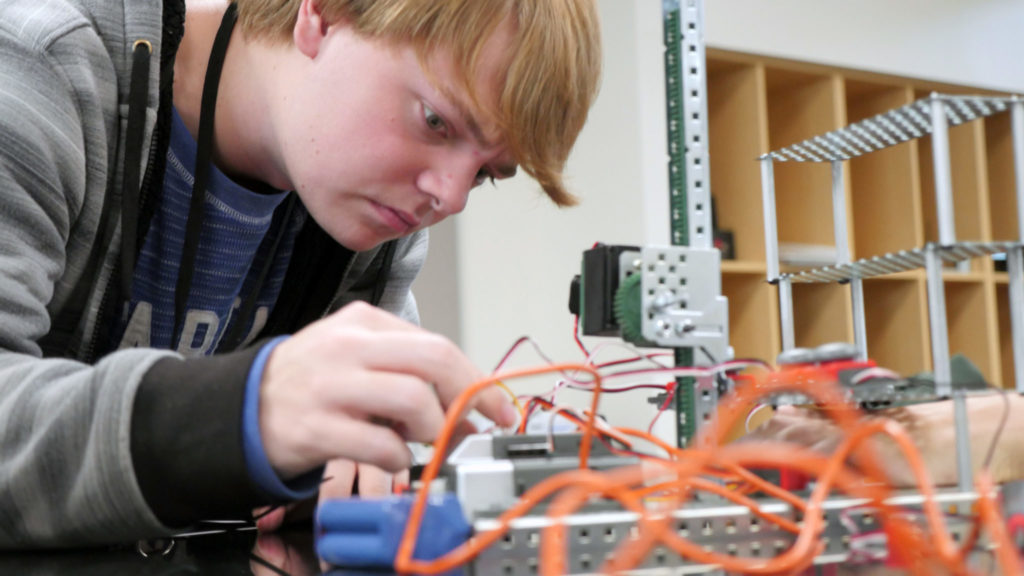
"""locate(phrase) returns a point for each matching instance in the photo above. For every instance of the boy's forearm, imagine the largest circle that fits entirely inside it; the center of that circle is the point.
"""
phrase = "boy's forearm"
(187, 439)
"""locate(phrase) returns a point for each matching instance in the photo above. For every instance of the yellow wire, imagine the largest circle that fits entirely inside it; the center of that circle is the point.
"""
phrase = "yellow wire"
(515, 399)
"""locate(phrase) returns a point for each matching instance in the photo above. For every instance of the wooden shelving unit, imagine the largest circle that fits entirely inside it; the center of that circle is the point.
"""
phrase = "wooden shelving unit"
(757, 104)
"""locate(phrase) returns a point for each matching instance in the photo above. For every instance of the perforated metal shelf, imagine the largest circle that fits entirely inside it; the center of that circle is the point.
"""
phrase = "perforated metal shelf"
(901, 261)
(889, 129)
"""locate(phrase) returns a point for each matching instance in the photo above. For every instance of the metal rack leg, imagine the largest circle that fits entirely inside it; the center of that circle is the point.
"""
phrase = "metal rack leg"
(839, 214)
(963, 441)
(1015, 270)
(1017, 127)
(943, 173)
(941, 363)
(843, 256)
(937, 321)
(771, 232)
(860, 338)
(786, 313)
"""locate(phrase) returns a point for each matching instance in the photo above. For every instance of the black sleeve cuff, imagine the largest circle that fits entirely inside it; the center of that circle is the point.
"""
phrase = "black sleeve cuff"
(186, 439)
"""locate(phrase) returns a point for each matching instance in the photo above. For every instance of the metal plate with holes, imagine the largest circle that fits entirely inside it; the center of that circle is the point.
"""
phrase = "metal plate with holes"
(681, 298)
(728, 529)
(889, 128)
(901, 261)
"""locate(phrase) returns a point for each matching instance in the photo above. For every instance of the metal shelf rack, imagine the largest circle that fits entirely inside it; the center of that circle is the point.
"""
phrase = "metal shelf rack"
(930, 116)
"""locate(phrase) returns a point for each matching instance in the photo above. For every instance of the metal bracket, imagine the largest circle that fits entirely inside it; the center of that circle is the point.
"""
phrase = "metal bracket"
(681, 298)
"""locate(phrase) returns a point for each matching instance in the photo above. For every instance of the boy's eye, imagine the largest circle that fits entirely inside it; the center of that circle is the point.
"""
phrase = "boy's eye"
(434, 122)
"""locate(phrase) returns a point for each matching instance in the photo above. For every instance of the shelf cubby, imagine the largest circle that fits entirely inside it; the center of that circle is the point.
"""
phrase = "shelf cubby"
(973, 331)
(821, 314)
(884, 186)
(896, 320)
(738, 119)
(970, 185)
(800, 105)
(753, 318)
(1001, 178)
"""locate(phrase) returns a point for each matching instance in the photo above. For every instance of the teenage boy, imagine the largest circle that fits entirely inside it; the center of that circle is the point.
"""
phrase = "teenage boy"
(180, 190)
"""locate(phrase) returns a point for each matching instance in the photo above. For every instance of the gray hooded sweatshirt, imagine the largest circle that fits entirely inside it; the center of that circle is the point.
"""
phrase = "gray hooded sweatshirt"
(100, 447)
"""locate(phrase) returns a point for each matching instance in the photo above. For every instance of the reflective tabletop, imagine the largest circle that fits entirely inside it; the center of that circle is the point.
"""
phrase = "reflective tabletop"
(235, 553)
(243, 553)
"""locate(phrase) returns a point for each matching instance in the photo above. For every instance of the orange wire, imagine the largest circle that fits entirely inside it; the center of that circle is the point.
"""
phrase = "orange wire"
(404, 561)
(575, 488)
(730, 495)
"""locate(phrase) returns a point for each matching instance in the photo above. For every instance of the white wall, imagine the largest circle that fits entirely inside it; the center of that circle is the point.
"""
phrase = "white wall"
(514, 254)
(970, 42)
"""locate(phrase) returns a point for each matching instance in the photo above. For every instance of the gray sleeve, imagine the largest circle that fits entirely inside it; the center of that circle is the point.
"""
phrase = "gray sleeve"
(409, 258)
(66, 473)
(397, 298)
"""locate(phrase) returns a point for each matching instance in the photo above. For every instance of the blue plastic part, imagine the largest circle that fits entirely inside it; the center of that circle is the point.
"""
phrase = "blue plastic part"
(364, 533)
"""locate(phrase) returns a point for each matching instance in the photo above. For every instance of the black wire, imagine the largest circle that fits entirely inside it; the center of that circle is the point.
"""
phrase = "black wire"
(263, 562)
(999, 429)
(709, 355)
(276, 506)
(265, 512)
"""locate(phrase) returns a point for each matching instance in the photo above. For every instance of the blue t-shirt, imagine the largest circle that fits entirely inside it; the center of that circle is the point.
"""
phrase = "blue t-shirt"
(239, 229)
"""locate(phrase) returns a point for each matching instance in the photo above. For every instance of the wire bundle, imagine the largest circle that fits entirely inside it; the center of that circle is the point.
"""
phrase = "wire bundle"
(684, 473)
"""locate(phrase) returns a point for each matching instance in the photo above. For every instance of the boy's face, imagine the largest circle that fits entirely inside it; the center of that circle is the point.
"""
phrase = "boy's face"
(374, 150)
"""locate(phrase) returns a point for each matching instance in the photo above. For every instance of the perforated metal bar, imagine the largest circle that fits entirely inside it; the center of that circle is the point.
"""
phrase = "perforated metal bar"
(902, 261)
(695, 115)
(889, 128)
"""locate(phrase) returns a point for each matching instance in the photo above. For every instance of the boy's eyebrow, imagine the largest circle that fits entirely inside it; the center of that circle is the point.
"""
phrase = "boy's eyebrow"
(466, 115)
(474, 127)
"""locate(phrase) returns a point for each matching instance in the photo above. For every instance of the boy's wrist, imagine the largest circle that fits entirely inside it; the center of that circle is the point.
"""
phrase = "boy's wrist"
(260, 468)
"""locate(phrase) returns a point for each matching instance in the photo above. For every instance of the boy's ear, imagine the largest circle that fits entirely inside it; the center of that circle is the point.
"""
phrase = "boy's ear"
(310, 28)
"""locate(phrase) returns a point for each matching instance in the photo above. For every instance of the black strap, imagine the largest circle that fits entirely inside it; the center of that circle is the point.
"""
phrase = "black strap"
(138, 92)
(204, 155)
(233, 338)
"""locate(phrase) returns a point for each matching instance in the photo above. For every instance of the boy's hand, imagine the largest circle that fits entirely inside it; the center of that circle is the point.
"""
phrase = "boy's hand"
(357, 385)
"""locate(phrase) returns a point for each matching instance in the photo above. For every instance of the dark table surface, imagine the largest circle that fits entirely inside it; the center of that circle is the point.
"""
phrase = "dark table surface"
(238, 553)
(243, 553)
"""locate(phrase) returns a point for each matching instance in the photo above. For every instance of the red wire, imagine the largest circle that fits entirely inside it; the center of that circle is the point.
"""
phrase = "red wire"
(576, 336)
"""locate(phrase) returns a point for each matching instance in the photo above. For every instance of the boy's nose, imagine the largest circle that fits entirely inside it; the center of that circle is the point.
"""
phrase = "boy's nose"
(448, 187)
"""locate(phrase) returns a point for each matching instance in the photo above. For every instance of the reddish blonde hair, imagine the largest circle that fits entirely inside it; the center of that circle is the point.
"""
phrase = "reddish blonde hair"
(553, 64)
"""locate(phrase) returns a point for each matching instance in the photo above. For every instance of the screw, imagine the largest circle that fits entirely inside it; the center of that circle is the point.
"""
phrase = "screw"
(685, 326)
(662, 301)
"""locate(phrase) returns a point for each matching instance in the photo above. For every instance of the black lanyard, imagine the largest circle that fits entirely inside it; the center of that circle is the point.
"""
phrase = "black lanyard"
(194, 224)
(204, 154)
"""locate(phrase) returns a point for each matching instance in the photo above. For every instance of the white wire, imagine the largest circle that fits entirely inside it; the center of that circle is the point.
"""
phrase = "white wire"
(758, 408)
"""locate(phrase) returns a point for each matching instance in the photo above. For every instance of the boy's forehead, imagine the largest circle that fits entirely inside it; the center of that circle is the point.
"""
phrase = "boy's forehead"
(475, 93)
(481, 122)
